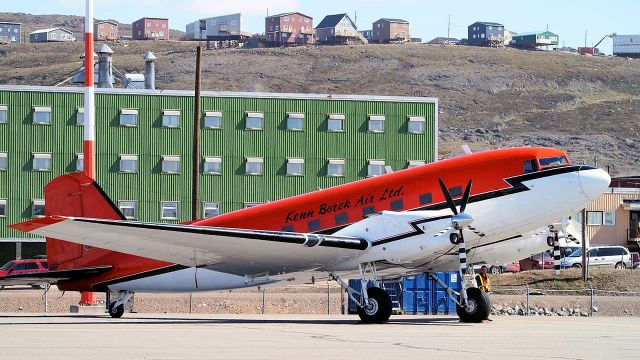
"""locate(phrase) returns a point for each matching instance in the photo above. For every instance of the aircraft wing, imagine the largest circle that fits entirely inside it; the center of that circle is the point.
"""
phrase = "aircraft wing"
(235, 251)
(52, 276)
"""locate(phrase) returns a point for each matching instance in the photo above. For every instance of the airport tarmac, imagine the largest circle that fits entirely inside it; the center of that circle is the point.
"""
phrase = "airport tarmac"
(164, 336)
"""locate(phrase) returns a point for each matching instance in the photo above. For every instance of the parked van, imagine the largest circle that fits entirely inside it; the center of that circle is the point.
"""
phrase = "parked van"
(600, 256)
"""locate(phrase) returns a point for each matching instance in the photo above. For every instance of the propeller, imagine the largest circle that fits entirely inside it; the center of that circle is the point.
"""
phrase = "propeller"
(459, 220)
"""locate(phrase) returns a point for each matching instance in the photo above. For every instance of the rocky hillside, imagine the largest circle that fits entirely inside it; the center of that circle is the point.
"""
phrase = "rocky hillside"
(489, 98)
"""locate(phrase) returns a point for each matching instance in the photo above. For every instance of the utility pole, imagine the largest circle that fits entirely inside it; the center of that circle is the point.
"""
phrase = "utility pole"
(449, 28)
(196, 138)
(585, 38)
(584, 245)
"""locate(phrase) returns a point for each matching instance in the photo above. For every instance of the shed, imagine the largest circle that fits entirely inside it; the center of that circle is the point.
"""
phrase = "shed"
(51, 35)
(534, 39)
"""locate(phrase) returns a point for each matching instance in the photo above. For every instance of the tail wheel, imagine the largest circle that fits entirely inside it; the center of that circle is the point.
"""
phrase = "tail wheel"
(478, 306)
(116, 311)
(496, 270)
(378, 308)
(620, 265)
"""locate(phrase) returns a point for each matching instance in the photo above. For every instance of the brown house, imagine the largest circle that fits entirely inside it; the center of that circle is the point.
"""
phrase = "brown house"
(289, 28)
(391, 30)
(150, 29)
(105, 31)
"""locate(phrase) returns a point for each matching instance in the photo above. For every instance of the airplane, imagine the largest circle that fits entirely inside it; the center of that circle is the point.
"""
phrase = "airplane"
(407, 222)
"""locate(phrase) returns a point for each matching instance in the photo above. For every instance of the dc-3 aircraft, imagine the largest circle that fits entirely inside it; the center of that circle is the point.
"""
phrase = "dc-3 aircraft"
(406, 222)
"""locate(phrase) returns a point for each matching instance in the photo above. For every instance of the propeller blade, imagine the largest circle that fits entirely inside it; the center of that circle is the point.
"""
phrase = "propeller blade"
(447, 196)
(465, 197)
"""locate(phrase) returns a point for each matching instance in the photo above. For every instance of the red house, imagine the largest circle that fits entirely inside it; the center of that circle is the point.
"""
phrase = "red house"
(289, 28)
(150, 29)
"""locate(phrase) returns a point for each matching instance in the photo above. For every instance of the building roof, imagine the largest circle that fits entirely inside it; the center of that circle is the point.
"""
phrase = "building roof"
(487, 23)
(10, 22)
(442, 38)
(154, 18)
(106, 21)
(331, 21)
(286, 14)
(394, 20)
(42, 31)
(531, 33)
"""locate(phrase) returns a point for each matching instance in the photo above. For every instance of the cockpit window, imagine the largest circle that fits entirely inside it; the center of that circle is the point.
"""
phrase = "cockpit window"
(553, 161)
(530, 166)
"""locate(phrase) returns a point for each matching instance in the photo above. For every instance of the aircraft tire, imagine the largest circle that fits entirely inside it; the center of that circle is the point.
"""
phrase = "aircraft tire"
(116, 311)
(379, 309)
(480, 304)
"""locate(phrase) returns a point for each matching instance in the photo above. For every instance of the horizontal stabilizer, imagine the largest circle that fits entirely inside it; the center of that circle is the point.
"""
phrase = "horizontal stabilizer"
(53, 276)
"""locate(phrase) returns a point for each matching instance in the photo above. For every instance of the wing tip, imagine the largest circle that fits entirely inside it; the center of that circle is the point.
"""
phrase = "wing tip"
(31, 225)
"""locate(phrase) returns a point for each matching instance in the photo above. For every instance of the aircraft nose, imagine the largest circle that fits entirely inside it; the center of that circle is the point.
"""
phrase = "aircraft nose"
(594, 182)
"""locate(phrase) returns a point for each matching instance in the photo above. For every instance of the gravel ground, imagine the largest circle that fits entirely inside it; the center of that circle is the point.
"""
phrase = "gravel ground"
(285, 300)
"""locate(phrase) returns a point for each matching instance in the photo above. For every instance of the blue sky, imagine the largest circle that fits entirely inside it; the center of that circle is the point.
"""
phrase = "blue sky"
(568, 18)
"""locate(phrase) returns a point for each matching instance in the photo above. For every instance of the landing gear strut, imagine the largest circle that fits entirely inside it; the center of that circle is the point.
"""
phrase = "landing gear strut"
(116, 308)
(374, 303)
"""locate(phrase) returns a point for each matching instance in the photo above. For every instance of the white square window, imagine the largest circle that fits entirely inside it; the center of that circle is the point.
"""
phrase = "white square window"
(375, 168)
(171, 118)
(170, 210)
(4, 114)
(210, 209)
(415, 163)
(609, 218)
(42, 115)
(416, 125)
(213, 119)
(80, 117)
(42, 162)
(376, 123)
(129, 117)
(212, 165)
(3, 207)
(4, 161)
(594, 217)
(335, 167)
(128, 208)
(37, 208)
(254, 121)
(295, 167)
(335, 122)
(79, 162)
(128, 163)
(171, 164)
(254, 166)
(295, 121)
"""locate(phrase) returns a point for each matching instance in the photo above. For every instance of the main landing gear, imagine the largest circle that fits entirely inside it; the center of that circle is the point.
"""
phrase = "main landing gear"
(116, 308)
(374, 303)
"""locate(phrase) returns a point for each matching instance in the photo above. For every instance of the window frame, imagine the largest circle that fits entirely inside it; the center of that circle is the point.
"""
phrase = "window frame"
(47, 156)
(79, 157)
(5, 109)
(37, 202)
(162, 209)
(212, 114)
(591, 223)
(377, 118)
(129, 112)
(171, 114)
(415, 163)
(295, 161)
(376, 162)
(204, 209)
(341, 162)
(256, 160)
(79, 111)
(211, 160)
(3, 206)
(254, 115)
(128, 157)
(171, 158)
(612, 220)
(417, 119)
(336, 117)
(4, 155)
(135, 208)
(42, 110)
(295, 116)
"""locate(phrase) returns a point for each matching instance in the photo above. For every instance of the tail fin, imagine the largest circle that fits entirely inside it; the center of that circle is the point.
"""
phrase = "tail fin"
(76, 195)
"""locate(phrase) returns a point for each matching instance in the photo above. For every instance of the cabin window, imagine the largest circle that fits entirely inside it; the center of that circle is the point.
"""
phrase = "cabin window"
(314, 225)
(288, 228)
(455, 191)
(342, 219)
(368, 211)
(397, 205)
(553, 161)
(426, 199)
(530, 166)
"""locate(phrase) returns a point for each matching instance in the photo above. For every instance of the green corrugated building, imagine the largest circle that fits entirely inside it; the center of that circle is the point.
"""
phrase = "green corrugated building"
(256, 147)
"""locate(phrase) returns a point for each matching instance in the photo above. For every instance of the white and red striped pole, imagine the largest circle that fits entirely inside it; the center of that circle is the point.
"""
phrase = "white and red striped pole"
(89, 298)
